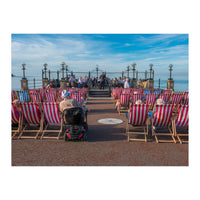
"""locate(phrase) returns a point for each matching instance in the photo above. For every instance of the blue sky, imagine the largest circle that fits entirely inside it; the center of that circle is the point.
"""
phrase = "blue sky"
(112, 52)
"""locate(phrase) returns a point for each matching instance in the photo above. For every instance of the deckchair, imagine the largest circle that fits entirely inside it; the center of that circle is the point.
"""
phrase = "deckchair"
(53, 91)
(161, 121)
(165, 97)
(185, 99)
(123, 103)
(77, 96)
(23, 96)
(167, 91)
(116, 93)
(138, 91)
(32, 91)
(150, 99)
(36, 97)
(52, 117)
(49, 97)
(136, 97)
(181, 121)
(146, 91)
(176, 99)
(137, 120)
(16, 119)
(13, 95)
(126, 91)
(157, 92)
(34, 117)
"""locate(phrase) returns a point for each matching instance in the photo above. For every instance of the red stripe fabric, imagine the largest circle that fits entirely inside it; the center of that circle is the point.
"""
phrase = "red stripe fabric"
(50, 97)
(77, 96)
(182, 119)
(51, 112)
(165, 97)
(124, 100)
(162, 115)
(138, 114)
(14, 114)
(31, 112)
(136, 97)
(176, 99)
(150, 99)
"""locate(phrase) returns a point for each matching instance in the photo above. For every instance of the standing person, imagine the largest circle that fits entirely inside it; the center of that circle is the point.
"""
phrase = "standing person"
(126, 83)
(102, 77)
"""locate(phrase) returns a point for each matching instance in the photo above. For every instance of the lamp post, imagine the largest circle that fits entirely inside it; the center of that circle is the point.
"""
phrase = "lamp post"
(45, 70)
(170, 70)
(63, 65)
(128, 69)
(97, 69)
(66, 68)
(23, 69)
(151, 66)
(133, 66)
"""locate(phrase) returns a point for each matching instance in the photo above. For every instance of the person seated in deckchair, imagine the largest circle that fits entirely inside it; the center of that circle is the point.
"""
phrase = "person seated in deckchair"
(68, 103)
(137, 103)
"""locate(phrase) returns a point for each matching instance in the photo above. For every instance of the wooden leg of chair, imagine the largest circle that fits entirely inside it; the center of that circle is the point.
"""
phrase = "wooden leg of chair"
(179, 139)
(145, 138)
(174, 139)
(156, 139)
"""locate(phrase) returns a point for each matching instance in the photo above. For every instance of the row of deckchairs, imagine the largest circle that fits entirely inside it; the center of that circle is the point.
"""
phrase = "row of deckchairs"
(167, 95)
(44, 95)
(31, 115)
(163, 122)
(176, 99)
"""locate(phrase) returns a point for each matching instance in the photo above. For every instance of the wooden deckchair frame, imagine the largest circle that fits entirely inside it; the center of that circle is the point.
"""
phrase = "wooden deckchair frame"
(24, 130)
(156, 134)
(52, 131)
(176, 133)
(126, 107)
(130, 130)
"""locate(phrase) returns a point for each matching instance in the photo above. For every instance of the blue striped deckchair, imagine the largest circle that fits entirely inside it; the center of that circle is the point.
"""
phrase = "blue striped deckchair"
(146, 91)
(23, 96)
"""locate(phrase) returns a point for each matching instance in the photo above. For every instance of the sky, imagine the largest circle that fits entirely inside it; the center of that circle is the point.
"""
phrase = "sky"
(111, 52)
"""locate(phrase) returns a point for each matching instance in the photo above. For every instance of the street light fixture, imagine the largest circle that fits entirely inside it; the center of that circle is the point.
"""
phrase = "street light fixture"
(63, 65)
(151, 66)
(45, 70)
(133, 66)
(23, 68)
(170, 70)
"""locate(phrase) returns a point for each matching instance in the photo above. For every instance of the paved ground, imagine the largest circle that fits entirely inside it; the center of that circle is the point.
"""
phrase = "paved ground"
(107, 146)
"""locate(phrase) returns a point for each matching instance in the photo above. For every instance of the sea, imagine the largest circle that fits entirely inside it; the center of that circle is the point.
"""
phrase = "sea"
(179, 85)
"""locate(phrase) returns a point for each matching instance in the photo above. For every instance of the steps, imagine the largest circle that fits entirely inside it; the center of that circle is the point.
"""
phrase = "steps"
(99, 92)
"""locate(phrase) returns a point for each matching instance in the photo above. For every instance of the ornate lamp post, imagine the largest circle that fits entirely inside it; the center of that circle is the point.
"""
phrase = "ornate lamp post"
(128, 69)
(45, 70)
(151, 71)
(63, 65)
(133, 66)
(97, 70)
(23, 69)
(66, 68)
(170, 70)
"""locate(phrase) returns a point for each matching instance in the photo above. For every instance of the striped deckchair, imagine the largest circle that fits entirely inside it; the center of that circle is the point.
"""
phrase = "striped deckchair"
(16, 119)
(150, 99)
(126, 91)
(146, 91)
(185, 99)
(52, 117)
(13, 95)
(34, 117)
(49, 97)
(77, 96)
(138, 120)
(116, 93)
(123, 103)
(32, 91)
(136, 97)
(161, 121)
(138, 91)
(23, 96)
(36, 97)
(165, 97)
(167, 91)
(181, 121)
(157, 92)
(60, 94)
(52, 91)
(176, 99)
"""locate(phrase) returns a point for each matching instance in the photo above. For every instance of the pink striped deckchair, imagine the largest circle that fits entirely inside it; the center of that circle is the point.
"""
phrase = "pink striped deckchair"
(181, 121)
(52, 117)
(161, 121)
(53, 91)
(126, 91)
(116, 93)
(176, 99)
(13, 95)
(167, 91)
(185, 99)
(36, 97)
(138, 120)
(32, 91)
(150, 99)
(136, 97)
(34, 117)
(49, 97)
(16, 119)
(165, 97)
(77, 96)
(123, 103)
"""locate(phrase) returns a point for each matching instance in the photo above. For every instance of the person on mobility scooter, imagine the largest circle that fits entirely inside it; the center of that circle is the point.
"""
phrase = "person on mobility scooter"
(74, 115)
